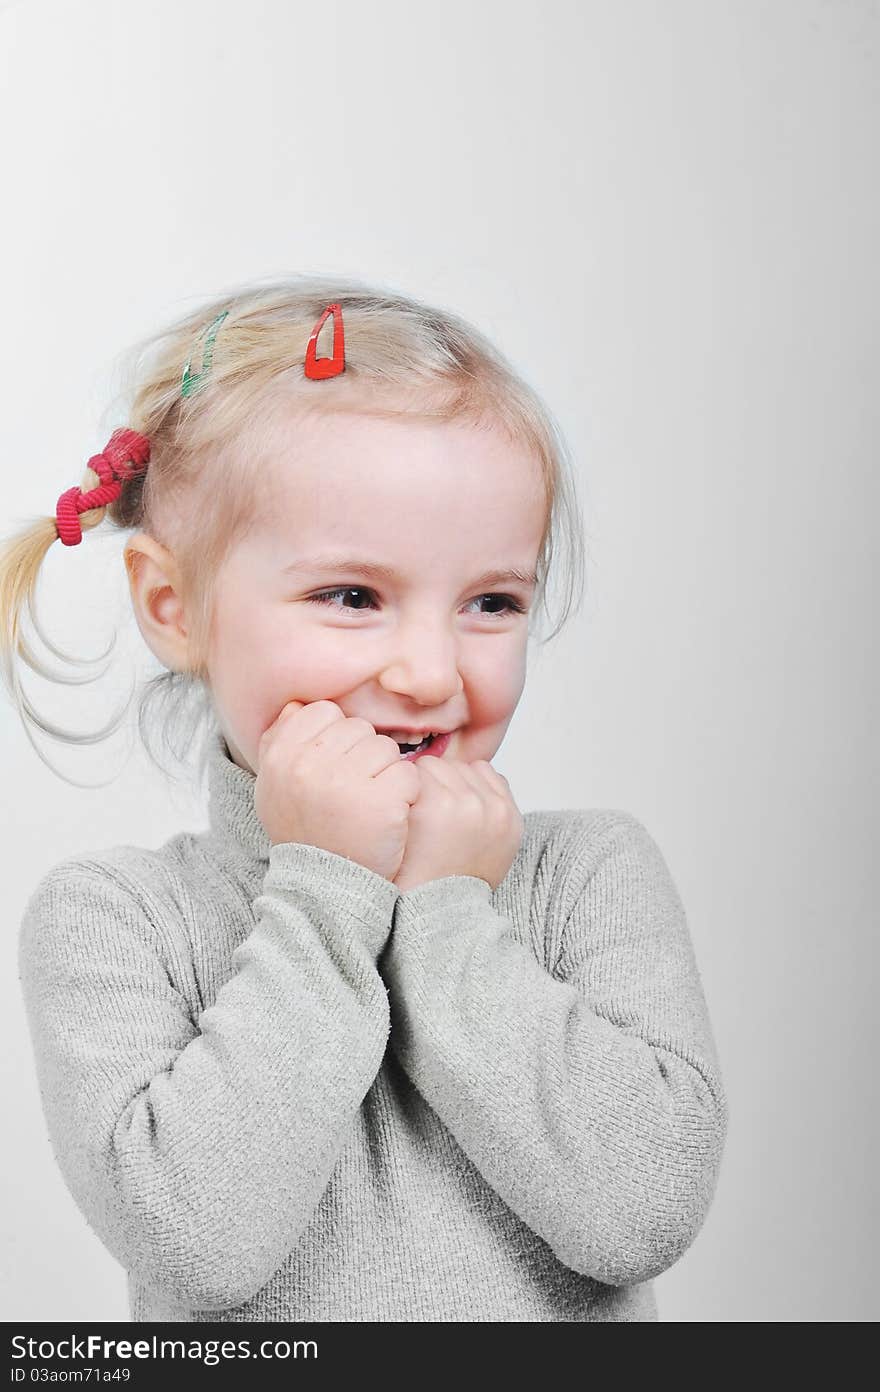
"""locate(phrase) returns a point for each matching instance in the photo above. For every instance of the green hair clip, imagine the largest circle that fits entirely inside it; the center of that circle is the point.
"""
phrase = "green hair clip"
(193, 382)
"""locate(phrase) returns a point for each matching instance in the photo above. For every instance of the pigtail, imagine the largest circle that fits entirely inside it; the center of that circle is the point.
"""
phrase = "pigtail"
(108, 477)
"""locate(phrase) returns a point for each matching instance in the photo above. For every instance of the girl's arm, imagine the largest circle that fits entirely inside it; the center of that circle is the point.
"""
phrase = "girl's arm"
(198, 1152)
(590, 1099)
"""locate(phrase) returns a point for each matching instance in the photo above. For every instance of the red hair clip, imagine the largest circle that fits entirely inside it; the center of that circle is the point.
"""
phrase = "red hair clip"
(319, 368)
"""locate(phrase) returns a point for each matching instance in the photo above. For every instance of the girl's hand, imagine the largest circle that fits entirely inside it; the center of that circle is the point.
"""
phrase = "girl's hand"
(327, 779)
(464, 822)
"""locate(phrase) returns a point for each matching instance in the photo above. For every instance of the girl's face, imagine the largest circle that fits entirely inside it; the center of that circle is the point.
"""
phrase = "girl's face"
(431, 643)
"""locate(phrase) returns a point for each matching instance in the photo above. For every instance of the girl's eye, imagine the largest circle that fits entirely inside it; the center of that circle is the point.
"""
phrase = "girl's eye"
(329, 595)
(511, 605)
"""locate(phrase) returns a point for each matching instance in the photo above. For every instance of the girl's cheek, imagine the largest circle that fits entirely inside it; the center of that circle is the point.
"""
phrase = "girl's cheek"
(304, 674)
(500, 684)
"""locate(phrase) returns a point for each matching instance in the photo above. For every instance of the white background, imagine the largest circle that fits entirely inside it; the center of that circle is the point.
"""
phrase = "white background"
(666, 215)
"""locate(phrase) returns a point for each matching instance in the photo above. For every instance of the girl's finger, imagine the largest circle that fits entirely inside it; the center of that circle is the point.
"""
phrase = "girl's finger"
(472, 776)
(490, 776)
(436, 768)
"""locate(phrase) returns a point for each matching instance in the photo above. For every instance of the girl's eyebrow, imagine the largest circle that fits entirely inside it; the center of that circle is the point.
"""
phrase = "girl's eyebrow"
(325, 564)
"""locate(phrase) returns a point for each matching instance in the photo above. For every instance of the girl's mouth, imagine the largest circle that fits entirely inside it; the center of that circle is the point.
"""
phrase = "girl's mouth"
(431, 744)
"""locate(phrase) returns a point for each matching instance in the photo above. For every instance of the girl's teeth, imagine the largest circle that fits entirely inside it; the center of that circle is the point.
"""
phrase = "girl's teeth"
(408, 750)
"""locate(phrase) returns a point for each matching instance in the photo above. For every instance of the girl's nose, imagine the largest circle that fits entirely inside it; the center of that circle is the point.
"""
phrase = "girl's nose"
(425, 667)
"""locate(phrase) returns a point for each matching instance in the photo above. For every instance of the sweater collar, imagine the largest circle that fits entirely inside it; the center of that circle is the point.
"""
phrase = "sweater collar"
(231, 812)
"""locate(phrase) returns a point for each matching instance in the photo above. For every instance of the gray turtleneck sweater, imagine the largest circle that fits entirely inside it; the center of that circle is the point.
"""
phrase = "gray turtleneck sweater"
(279, 1089)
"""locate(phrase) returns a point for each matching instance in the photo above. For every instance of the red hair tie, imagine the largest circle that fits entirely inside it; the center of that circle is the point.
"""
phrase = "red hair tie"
(124, 447)
(319, 368)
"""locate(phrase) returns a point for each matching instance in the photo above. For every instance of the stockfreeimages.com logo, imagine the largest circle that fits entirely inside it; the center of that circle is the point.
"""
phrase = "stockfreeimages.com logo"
(207, 1351)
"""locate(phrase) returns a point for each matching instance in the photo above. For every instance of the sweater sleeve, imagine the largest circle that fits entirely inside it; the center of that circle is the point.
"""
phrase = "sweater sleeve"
(198, 1152)
(589, 1098)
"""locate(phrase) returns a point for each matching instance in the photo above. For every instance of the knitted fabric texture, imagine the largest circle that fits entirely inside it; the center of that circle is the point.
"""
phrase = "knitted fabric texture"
(280, 1090)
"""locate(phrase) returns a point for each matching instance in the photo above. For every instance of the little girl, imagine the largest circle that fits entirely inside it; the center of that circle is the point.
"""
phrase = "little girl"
(374, 1046)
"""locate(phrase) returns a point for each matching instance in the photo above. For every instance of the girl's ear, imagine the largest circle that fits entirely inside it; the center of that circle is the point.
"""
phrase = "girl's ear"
(154, 582)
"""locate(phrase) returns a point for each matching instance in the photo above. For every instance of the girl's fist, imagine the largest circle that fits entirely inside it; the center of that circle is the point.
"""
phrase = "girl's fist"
(463, 822)
(327, 779)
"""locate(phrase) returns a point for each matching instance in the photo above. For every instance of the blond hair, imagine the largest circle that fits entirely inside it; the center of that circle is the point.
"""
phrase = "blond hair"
(403, 358)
